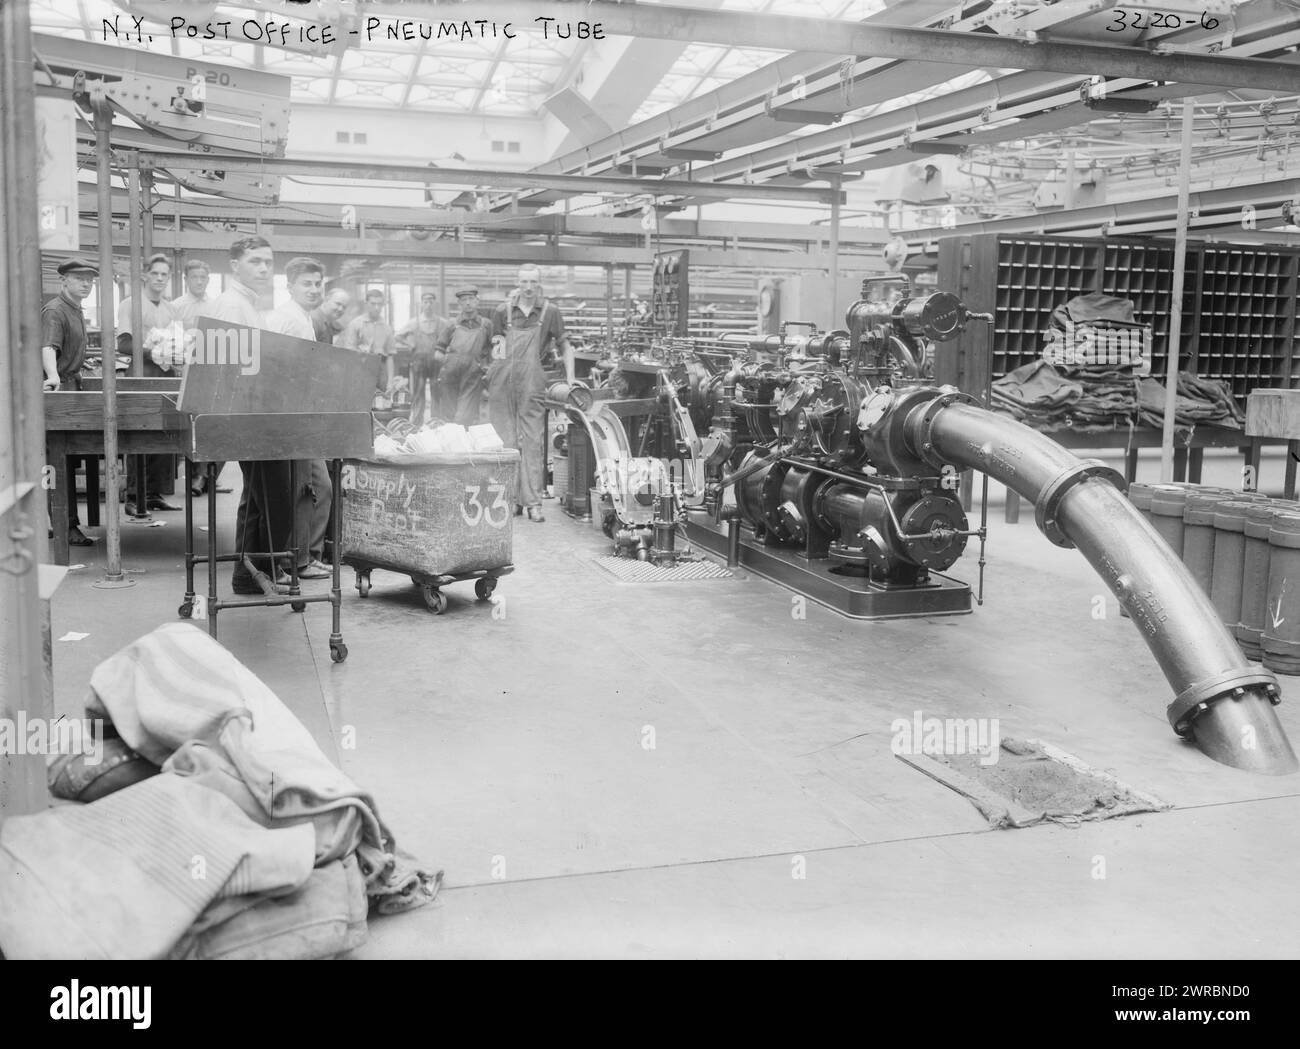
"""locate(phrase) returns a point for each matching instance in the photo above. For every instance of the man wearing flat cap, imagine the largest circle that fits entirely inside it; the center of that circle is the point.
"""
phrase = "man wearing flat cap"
(63, 350)
(465, 349)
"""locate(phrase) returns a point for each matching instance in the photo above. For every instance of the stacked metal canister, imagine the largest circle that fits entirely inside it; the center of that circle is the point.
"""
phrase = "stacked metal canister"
(1243, 548)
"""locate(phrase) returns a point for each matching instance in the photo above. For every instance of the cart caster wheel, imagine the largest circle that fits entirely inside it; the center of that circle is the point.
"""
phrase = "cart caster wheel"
(186, 611)
(435, 599)
(298, 606)
(363, 585)
(338, 652)
(483, 588)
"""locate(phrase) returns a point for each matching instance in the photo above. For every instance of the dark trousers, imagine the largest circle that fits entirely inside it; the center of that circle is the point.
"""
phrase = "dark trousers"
(70, 468)
(424, 369)
(159, 477)
(264, 521)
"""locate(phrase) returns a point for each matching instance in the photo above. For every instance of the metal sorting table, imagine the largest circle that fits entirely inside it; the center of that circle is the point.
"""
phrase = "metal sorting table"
(292, 400)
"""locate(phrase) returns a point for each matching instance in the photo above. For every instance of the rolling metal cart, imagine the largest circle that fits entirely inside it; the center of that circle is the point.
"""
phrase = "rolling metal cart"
(437, 518)
(258, 396)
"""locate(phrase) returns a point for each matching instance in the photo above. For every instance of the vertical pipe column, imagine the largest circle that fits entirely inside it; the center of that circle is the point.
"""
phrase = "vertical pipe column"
(139, 251)
(836, 193)
(136, 466)
(609, 301)
(113, 576)
(25, 673)
(1176, 296)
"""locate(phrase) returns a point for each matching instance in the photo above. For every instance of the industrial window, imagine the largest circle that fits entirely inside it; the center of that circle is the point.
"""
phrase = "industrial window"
(498, 146)
(358, 138)
(512, 147)
(342, 136)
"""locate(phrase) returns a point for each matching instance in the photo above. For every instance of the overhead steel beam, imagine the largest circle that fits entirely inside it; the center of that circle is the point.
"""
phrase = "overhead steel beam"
(1259, 195)
(836, 37)
(205, 246)
(478, 177)
(376, 216)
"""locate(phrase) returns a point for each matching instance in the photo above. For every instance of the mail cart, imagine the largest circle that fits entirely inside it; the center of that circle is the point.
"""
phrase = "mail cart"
(438, 518)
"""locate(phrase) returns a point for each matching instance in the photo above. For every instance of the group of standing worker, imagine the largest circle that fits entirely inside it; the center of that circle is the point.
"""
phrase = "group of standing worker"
(457, 357)
(512, 349)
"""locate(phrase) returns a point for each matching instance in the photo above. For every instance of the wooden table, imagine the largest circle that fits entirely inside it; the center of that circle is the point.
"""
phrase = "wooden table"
(1275, 414)
(1189, 453)
(74, 425)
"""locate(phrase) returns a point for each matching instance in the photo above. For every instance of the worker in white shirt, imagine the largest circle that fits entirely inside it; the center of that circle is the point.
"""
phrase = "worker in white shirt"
(188, 308)
(196, 300)
(158, 320)
(266, 507)
(313, 499)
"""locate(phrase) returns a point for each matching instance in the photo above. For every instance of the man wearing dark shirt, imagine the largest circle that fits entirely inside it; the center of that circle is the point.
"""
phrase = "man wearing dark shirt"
(63, 350)
(462, 353)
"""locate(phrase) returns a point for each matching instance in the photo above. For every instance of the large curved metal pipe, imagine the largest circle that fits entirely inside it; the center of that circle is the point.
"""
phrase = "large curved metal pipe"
(1221, 702)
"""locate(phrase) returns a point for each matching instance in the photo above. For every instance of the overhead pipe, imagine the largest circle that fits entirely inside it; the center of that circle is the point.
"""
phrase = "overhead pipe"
(1221, 703)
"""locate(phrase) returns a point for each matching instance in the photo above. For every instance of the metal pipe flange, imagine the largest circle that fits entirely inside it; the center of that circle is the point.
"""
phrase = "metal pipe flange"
(1195, 699)
(1049, 500)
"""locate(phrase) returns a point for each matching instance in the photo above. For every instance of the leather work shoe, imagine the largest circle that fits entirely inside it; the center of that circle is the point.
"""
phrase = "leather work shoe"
(133, 511)
(535, 514)
(76, 537)
(157, 502)
(315, 570)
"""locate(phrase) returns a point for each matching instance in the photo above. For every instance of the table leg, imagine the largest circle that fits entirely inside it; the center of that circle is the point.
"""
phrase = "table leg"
(1292, 450)
(1195, 461)
(1012, 512)
(211, 469)
(187, 606)
(1252, 474)
(57, 454)
(338, 650)
(1180, 464)
(1131, 465)
(92, 491)
(295, 488)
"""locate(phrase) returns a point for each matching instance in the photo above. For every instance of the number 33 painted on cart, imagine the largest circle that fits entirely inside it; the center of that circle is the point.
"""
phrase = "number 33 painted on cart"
(474, 511)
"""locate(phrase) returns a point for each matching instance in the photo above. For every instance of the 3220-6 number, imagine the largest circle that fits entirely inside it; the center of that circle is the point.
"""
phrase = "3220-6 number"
(1159, 20)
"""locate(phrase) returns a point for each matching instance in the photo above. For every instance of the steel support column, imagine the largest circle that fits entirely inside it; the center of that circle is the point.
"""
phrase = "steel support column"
(25, 673)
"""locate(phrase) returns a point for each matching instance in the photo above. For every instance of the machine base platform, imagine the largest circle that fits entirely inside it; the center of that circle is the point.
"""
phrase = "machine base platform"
(851, 596)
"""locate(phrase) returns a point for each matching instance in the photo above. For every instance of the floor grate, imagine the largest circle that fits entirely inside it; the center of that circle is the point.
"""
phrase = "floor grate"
(630, 570)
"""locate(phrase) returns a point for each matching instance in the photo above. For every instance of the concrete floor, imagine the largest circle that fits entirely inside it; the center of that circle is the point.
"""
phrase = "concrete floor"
(510, 746)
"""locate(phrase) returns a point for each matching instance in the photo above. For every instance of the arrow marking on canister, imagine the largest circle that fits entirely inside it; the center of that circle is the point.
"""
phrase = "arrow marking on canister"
(1277, 622)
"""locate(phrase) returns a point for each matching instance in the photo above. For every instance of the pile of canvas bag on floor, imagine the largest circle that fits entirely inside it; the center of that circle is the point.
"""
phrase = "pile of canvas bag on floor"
(248, 843)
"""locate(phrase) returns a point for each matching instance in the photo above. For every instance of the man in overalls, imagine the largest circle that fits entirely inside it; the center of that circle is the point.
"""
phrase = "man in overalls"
(463, 351)
(526, 330)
